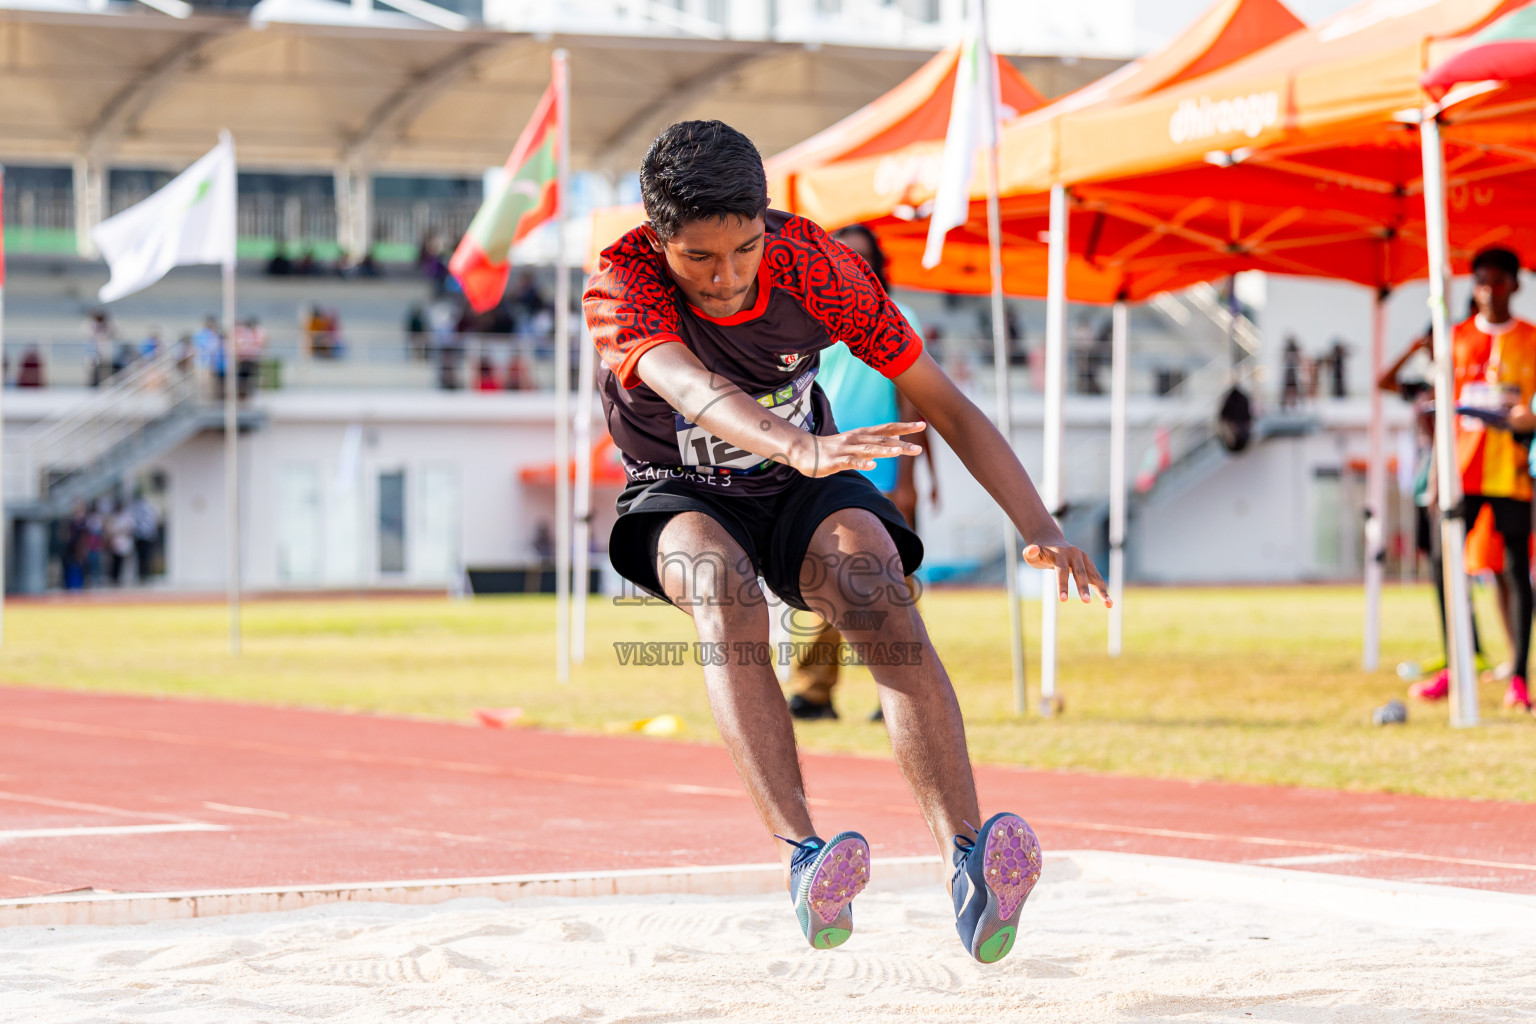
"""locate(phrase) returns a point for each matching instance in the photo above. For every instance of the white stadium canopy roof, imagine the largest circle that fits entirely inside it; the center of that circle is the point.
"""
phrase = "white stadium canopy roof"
(317, 84)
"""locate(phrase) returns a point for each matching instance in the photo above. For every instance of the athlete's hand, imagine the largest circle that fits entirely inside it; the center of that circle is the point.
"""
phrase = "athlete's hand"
(855, 449)
(1069, 561)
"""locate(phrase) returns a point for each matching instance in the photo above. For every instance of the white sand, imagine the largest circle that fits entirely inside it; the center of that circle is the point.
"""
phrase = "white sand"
(1092, 950)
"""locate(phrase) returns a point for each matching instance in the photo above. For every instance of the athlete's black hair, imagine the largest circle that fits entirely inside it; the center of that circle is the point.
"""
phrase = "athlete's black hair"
(1498, 258)
(701, 170)
(877, 263)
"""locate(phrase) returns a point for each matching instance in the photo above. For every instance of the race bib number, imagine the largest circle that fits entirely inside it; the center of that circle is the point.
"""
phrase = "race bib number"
(704, 451)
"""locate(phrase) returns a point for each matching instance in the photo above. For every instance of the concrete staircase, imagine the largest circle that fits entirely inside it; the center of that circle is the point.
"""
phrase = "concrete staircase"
(92, 446)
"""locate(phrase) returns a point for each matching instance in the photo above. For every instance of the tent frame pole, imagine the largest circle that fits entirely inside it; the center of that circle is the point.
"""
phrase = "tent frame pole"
(1118, 390)
(1004, 388)
(1055, 388)
(1375, 491)
(1458, 641)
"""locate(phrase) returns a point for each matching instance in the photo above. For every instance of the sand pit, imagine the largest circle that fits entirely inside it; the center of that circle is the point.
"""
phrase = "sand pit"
(1100, 944)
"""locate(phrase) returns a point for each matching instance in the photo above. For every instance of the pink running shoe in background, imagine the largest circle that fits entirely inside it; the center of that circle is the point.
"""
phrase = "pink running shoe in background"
(1517, 696)
(1437, 688)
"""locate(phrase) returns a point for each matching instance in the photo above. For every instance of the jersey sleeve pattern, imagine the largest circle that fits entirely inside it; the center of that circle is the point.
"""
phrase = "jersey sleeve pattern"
(836, 287)
(629, 306)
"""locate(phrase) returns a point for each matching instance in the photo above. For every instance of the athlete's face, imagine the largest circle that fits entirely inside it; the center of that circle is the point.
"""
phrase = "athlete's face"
(715, 262)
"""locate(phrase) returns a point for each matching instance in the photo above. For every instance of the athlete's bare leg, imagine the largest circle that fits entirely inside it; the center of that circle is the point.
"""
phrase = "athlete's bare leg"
(868, 599)
(706, 574)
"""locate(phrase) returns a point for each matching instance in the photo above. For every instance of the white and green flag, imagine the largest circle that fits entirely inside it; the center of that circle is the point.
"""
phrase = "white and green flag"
(190, 220)
(972, 124)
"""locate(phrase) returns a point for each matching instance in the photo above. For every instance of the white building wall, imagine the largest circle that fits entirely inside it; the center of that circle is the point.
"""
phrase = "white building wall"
(465, 502)
(1286, 510)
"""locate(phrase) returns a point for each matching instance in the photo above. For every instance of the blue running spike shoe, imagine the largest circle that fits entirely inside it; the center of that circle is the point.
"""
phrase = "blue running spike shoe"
(994, 875)
(823, 880)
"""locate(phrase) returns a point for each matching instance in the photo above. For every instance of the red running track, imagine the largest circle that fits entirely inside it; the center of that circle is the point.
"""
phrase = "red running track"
(132, 794)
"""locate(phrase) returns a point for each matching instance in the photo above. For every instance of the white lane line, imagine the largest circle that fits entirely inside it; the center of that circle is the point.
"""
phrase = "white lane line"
(106, 830)
(73, 805)
(1311, 858)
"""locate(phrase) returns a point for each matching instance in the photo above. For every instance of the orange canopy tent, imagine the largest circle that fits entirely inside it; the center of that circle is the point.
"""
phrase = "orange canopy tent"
(1313, 156)
(1297, 159)
(607, 468)
(915, 112)
(892, 189)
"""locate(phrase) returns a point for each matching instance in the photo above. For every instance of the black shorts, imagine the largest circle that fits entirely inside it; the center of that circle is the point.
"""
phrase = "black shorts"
(774, 530)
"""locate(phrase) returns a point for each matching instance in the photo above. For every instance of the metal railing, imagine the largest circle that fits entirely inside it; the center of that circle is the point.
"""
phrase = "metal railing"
(295, 219)
(80, 434)
(379, 357)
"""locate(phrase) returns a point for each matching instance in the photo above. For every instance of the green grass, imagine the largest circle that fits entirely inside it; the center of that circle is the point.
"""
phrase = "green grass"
(1254, 685)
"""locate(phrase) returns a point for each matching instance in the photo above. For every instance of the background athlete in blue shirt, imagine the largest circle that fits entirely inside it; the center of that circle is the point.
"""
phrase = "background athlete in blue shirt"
(861, 396)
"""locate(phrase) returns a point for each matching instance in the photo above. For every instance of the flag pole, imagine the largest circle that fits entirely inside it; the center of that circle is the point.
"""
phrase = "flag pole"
(231, 447)
(562, 380)
(1000, 363)
(586, 377)
(5, 523)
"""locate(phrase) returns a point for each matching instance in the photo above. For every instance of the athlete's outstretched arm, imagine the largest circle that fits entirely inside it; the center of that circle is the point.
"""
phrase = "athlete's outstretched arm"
(994, 465)
(720, 407)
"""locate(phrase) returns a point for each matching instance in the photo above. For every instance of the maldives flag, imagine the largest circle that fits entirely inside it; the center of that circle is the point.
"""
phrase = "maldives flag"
(528, 196)
(1505, 51)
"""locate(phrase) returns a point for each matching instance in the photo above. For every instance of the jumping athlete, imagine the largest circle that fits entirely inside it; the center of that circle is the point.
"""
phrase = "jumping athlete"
(709, 319)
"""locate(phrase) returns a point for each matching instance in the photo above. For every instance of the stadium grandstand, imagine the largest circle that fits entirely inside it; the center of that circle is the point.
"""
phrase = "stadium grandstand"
(393, 439)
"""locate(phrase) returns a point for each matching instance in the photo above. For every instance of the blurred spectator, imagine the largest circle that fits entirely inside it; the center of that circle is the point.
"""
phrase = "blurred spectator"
(368, 266)
(279, 265)
(73, 547)
(118, 527)
(146, 535)
(1336, 357)
(431, 262)
(99, 329)
(29, 372)
(208, 346)
(123, 358)
(321, 330)
(250, 342)
(543, 542)
(486, 380)
(417, 340)
(96, 541)
(1290, 374)
(519, 377)
(443, 321)
(306, 265)
(186, 352)
(150, 346)
(527, 301)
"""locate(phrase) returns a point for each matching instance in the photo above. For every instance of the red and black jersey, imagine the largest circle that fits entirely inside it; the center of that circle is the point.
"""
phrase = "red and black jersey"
(812, 293)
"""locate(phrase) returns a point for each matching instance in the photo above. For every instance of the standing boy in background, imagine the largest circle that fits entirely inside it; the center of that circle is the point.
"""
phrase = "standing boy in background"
(861, 397)
(1495, 367)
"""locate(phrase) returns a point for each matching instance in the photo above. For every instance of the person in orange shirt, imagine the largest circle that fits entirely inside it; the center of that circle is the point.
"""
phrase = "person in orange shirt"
(1495, 365)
